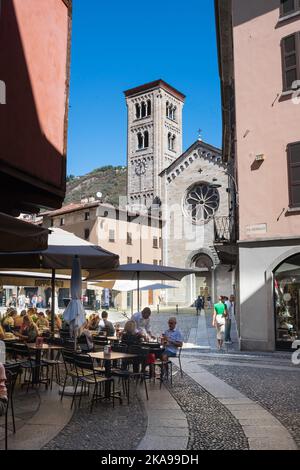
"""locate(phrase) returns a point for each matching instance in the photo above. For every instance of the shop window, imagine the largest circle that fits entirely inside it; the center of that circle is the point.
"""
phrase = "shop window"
(62, 221)
(129, 260)
(287, 302)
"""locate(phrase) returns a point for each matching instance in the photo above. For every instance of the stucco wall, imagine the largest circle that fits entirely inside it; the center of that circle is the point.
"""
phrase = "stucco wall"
(267, 121)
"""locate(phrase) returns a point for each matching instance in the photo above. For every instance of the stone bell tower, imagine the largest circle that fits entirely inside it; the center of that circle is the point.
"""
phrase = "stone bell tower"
(154, 138)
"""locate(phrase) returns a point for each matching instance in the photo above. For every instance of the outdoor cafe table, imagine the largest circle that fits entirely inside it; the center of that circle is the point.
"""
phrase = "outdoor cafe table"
(38, 357)
(108, 359)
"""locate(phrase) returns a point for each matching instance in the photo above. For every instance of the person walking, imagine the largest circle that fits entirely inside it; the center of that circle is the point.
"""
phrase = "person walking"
(199, 304)
(208, 301)
(228, 320)
(219, 317)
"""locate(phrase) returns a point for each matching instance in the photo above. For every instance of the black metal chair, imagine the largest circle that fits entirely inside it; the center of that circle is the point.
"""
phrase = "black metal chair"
(87, 376)
(166, 368)
(24, 357)
(133, 369)
(70, 369)
(12, 371)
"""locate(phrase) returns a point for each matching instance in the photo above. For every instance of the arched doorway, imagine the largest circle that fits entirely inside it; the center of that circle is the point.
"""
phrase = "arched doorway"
(287, 302)
(203, 280)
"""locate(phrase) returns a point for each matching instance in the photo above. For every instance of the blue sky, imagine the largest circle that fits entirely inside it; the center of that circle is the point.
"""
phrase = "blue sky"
(122, 44)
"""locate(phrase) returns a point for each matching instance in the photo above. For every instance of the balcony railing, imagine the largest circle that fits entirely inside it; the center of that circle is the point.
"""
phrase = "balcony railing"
(224, 229)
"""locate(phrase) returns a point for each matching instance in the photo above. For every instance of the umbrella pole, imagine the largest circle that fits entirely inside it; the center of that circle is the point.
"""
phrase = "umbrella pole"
(138, 291)
(52, 302)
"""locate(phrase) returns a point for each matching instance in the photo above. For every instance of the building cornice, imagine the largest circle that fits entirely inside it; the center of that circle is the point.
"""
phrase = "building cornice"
(196, 146)
(152, 86)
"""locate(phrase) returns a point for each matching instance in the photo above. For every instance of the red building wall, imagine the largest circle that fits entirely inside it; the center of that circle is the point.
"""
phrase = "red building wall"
(34, 65)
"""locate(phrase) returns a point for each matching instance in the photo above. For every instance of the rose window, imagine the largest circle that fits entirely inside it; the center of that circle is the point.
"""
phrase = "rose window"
(201, 202)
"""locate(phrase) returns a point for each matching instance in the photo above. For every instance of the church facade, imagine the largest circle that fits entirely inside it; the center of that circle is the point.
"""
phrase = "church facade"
(191, 190)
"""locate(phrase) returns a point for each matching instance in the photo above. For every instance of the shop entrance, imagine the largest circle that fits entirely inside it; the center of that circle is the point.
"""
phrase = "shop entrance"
(287, 302)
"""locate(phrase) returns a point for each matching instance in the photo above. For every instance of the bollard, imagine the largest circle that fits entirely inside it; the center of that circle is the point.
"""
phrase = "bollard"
(157, 308)
(177, 309)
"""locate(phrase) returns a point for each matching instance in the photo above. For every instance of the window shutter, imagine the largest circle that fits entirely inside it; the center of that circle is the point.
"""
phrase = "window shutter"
(294, 174)
(288, 7)
(290, 60)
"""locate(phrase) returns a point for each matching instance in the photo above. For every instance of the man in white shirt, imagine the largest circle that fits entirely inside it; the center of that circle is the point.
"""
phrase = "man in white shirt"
(142, 320)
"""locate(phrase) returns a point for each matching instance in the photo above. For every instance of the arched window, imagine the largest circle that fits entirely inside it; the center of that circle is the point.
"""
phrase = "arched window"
(167, 108)
(137, 111)
(149, 108)
(174, 113)
(170, 141)
(146, 139)
(144, 110)
(173, 142)
(140, 141)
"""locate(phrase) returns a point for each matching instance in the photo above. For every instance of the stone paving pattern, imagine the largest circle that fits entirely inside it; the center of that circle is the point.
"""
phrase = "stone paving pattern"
(106, 428)
(278, 392)
(211, 425)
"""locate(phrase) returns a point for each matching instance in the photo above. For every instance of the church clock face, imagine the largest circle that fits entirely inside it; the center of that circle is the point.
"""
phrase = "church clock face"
(140, 168)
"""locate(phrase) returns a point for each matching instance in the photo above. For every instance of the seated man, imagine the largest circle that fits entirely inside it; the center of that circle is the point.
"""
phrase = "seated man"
(3, 391)
(106, 326)
(172, 340)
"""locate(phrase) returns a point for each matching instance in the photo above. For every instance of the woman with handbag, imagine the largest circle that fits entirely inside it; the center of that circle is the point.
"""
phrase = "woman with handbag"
(219, 319)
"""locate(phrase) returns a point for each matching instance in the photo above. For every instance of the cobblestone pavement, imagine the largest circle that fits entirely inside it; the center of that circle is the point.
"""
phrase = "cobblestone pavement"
(211, 425)
(106, 428)
(271, 383)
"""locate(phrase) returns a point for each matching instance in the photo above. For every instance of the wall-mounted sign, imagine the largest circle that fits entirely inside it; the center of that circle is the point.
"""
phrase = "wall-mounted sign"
(258, 229)
(47, 283)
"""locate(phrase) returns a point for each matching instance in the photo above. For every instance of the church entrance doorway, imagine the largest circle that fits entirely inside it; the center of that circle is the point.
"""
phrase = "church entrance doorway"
(203, 281)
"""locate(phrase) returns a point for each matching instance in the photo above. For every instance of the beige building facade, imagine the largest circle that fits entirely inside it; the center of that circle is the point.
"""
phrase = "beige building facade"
(259, 53)
(132, 236)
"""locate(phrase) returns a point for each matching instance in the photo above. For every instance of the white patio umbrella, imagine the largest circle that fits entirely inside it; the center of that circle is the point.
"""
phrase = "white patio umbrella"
(75, 313)
(140, 271)
(62, 247)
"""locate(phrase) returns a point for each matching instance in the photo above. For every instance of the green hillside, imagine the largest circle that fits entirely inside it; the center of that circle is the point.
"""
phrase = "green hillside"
(109, 180)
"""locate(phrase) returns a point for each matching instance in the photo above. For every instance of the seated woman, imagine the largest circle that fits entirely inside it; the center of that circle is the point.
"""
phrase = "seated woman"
(129, 335)
(86, 337)
(93, 322)
(19, 320)
(29, 331)
(8, 322)
(42, 322)
(2, 333)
